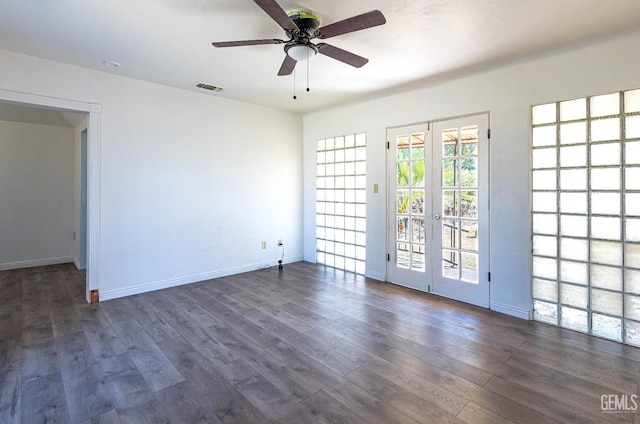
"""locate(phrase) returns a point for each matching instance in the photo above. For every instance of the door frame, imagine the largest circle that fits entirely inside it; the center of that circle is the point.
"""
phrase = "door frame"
(388, 224)
(93, 112)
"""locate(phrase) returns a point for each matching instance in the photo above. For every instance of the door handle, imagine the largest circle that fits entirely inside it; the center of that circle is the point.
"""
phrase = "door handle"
(436, 216)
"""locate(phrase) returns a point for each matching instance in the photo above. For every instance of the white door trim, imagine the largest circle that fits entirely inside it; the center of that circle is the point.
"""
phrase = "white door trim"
(93, 173)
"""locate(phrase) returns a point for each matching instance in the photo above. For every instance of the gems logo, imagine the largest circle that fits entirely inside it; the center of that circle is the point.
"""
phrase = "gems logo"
(619, 404)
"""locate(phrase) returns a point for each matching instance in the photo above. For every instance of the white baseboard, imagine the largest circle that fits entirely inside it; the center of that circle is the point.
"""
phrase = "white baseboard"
(164, 284)
(511, 310)
(35, 262)
(380, 276)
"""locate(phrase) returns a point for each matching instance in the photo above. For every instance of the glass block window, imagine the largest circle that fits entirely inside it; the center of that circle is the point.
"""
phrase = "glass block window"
(341, 202)
(586, 215)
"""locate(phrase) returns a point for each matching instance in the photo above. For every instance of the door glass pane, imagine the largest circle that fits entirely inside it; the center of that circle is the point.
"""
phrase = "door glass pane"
(450, 203)
(410, 202)
(469, 270)
(450, 234)
(469, 203)
(450, 264)
(469, 235)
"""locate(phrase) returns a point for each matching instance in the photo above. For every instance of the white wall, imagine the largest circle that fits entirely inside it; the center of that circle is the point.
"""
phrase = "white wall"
(190, 183)
(508, 94)
(36, 194)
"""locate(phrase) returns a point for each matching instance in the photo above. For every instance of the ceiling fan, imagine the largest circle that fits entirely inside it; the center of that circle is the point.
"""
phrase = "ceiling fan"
(302, 26)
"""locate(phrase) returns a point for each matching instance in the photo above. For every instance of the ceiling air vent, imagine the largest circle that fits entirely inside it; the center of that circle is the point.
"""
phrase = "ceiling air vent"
(208, 87)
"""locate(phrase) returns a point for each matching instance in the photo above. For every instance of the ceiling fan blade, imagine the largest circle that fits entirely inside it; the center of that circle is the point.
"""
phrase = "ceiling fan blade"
(274, 10)
(247, 42)
(342, 55)
(356, 23)
(287, 66)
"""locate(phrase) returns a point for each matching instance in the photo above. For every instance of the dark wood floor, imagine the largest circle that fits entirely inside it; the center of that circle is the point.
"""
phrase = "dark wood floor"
(307, 345)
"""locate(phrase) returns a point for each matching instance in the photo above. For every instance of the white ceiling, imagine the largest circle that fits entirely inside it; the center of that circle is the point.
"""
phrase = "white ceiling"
(169, 41)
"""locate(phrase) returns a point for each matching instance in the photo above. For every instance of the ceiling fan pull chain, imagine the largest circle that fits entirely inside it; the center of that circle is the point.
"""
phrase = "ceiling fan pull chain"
(294, 84)
(307, 70)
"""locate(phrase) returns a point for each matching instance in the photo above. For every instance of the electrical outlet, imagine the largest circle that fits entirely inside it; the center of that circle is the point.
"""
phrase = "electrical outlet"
(264, 244)
(280, 242)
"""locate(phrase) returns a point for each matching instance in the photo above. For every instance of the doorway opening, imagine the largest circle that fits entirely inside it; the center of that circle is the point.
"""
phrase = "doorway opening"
(89, 230)
(438, 203)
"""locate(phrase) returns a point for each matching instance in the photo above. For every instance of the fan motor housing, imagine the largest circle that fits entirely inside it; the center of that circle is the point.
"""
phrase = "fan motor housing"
(307, 21)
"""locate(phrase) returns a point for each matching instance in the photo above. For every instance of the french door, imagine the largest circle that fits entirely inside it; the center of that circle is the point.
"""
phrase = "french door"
(438, 203)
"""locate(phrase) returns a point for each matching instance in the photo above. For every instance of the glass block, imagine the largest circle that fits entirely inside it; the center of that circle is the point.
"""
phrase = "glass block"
(417, 202)
(450, 203)
(632, 204)
(330, 156)
(361, 153)
(573, 203)
(339, 142)
(605, 129)
(607, 327)
(543, 114)
(544, 180)
(545, 312)
(449, 173)
(545, 224)
(573, 156)
(632, 101)
(574, 272)
(320, 145)
(329, 260)
(605, 178)
(606, 277)
(632, 281)
(632, 307)
(339, 248)
(571, 295)
(339, 156)
(576, 249)
(544, 201)
(573, 109)
(469, 235)
(573, 133)
(632, 178)
(361, 139)
(544, 136)
(469, 172)
(545, 268)
(469, 271)
(321, 157)
(605, 203)
(545, 290)
(573, 226)
(632, 153)
(545, 246)
(632, 255)
(469, 203)
(574, 319)
(544, 158)
(605, 228)
(605, 154)
(606, 302)
(450, 264)
(632, 332)
(632, 127)
(360, 267)
(632, 229)
(604, 105)
(349, 265)
(605, 252)
(573, 179)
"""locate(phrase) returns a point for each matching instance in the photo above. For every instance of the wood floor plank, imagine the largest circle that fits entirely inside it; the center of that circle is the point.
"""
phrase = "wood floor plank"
(43, 401)
(305, 344)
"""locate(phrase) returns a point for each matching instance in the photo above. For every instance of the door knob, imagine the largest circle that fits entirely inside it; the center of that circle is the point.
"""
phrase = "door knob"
(436, 216)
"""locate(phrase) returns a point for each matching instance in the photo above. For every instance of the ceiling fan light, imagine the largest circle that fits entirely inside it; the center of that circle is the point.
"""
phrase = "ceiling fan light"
(301, 52)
